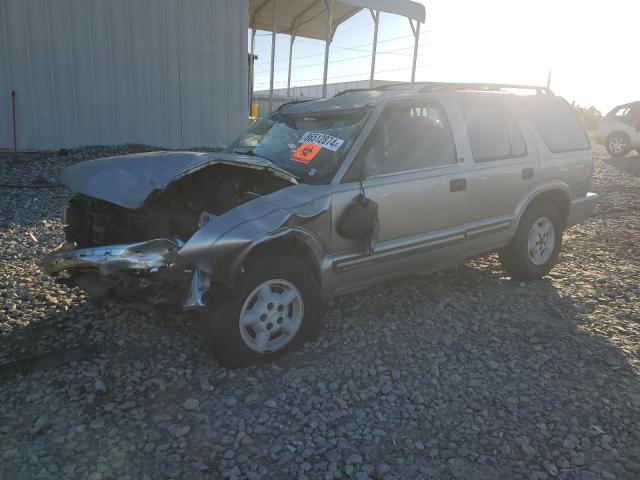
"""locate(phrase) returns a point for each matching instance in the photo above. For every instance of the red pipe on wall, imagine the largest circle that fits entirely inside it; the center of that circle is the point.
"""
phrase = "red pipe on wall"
(15, 134)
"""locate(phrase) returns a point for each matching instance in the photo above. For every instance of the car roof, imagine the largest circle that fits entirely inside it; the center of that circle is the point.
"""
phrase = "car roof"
(346, 101)
(360, 98)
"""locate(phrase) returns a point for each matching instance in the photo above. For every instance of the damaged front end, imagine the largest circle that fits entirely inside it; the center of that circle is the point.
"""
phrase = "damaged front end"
(142, 271)
(131, 216)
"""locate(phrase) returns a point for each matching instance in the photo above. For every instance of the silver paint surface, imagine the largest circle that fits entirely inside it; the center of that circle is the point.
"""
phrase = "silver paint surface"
(128, 180)
(423, 225)
(148, 256)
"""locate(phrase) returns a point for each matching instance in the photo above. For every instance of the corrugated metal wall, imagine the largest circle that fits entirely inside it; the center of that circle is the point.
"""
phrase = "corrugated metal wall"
(167, 73)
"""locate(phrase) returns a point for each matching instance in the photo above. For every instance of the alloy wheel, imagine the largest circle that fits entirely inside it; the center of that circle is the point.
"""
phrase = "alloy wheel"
(271, 316)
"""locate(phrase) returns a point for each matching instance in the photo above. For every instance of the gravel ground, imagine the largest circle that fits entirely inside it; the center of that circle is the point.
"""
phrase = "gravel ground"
(458, 375)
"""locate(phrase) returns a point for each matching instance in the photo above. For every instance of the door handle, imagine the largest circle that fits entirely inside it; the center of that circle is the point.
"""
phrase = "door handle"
(527, 173)
(457, 184)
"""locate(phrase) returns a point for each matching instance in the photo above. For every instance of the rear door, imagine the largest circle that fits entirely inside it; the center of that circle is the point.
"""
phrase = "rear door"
(503, 164)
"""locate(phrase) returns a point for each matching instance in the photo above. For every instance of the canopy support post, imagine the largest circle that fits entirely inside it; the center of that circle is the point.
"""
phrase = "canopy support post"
(375, 17)
(273, 50)
(291, 40)
(251, 67)
(549, 78)
(329, 4)
(416, 34)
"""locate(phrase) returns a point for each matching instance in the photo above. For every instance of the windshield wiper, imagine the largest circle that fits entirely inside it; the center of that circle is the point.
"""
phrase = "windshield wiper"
(248, 152)
(274, 165)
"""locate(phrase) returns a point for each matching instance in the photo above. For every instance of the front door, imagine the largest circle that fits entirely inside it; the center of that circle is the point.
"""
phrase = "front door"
(410, 169)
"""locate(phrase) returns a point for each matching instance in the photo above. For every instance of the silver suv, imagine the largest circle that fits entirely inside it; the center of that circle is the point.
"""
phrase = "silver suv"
(325, 197)
(619, 130)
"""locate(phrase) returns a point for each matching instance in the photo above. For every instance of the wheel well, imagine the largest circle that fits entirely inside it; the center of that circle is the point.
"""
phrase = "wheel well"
(619, 132)
(558, 199)
(287, 247)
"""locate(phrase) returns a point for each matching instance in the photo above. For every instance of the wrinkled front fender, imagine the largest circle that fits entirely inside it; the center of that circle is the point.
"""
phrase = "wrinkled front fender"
(221, 246)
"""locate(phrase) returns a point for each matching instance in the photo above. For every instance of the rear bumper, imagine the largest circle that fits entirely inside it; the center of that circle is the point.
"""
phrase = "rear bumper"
(582, 208)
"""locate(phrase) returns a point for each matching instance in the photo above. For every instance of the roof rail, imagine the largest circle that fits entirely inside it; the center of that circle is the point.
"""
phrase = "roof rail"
(430, 86)
(438, 86)
(354, 90)
(292, 102)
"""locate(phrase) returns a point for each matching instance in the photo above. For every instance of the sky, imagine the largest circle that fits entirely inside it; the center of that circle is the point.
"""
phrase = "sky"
(592, 48)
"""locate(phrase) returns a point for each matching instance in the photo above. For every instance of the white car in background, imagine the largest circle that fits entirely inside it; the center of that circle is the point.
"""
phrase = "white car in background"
(619, 130)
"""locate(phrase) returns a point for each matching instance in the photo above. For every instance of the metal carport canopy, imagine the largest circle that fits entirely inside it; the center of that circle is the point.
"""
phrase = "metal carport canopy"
(319, 19)
(306, 18)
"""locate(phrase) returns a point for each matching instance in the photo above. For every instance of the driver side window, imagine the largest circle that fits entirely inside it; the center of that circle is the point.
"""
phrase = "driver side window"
(409, 137)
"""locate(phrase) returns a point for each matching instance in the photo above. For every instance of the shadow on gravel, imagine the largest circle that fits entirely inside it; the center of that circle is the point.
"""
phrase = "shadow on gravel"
(87, 330)
(467, 376)
(629, 164)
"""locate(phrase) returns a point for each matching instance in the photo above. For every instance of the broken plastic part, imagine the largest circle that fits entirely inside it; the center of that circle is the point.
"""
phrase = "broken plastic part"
(205, 217)
(200, 283)
(148, 256)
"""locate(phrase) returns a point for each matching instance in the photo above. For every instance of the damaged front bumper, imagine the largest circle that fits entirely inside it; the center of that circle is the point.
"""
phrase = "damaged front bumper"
(141, 256)
(100, 269)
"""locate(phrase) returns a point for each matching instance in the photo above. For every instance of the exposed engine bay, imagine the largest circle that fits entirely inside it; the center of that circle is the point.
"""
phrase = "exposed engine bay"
(133, 252)
(174, 213)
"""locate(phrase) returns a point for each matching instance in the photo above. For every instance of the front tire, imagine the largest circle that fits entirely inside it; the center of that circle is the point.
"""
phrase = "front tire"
(274, 306)
(618, 144)
(535, 248)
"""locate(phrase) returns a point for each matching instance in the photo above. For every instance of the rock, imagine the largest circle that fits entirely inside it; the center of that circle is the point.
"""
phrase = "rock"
(528, 450)
(100, 387)
(191, 404)
(97, 424)
(354, 459)
(550, 467)
(182, 431)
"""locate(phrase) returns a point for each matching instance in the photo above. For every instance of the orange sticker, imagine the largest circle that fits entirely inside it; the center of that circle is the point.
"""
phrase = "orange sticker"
(305, 153)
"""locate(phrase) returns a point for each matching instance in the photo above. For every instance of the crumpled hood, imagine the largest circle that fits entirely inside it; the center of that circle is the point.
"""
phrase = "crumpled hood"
(127, 180)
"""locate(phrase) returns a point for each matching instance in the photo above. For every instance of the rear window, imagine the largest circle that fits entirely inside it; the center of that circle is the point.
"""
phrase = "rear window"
(493, 133)
(557, 123)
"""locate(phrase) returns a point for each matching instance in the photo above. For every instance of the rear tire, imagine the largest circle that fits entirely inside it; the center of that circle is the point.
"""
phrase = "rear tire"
(534, 249)
(618, 144)
(274, 306)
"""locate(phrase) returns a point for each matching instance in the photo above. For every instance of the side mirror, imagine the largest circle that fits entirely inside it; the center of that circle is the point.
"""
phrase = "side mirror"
(359, 220)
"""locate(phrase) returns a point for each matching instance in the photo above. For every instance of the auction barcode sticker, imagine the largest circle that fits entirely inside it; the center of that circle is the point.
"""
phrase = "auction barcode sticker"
(322, 140)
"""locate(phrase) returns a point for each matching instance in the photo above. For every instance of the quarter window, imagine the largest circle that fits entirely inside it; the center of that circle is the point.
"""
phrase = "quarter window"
(623, 112)
(493, 133)
(409, 137)
(557, 123)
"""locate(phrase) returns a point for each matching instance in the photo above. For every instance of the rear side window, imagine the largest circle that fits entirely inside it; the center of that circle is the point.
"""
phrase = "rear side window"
(557, 123)
(623, 112)
(493, 133)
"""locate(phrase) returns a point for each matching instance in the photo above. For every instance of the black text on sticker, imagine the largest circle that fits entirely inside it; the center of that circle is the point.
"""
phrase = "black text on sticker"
(322, 140)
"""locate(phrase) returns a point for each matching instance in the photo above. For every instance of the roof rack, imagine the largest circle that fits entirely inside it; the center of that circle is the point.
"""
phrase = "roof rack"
(439, 86)
(293, 102)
